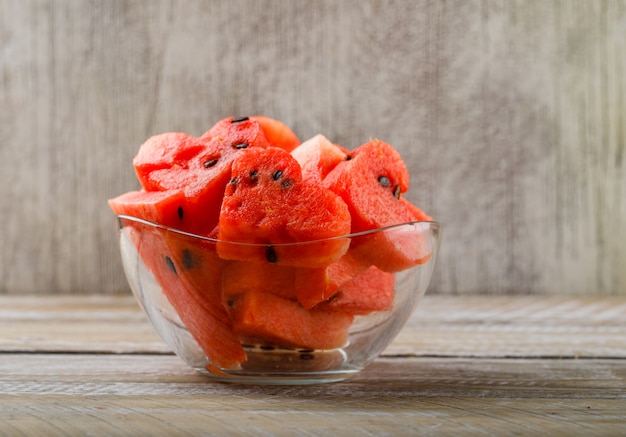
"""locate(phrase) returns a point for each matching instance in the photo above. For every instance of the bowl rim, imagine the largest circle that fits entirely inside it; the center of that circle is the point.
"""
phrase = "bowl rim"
(432, 225)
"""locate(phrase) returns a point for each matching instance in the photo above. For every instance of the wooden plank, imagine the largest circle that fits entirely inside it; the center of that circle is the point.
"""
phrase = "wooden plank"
(158, 395)
(464, 326)
(510, 116)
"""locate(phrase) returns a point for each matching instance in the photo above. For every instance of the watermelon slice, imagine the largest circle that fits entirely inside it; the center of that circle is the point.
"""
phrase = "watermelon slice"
(163, 207)
(277, 133)
(165, 151)
(267, 204)
(334, 276)
(205, 318)
(318, 156)
(237, 133)
(285, 281)
(371, 184)
(269, 319)
(371, 290)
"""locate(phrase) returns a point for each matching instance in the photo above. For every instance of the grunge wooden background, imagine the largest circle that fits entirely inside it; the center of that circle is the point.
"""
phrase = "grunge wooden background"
(510, 115)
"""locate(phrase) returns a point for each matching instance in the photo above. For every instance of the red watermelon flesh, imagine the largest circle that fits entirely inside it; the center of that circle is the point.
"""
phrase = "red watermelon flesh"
(285, 281)
(168, 208)
(164, 151)
(318, 156)
(335, 275)
(270, 319)
(163, 207)
(371, 290)
(235, 132)
(206, 320)
(371, 184)
(268, 204)
(277, 133)
(241, 277)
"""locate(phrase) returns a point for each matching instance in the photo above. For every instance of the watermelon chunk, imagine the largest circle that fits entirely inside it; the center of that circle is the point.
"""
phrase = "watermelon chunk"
(334, 276)
(371, 184)
(371, 290)
(269, 319)
(163, 207)
(267, 204)
(236, 133)
(318, 156)
(205, 318)
(165, 151)
(289, 282)
(277, 133)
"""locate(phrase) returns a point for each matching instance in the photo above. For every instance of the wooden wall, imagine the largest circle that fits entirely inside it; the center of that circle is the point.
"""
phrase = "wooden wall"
(510, 115)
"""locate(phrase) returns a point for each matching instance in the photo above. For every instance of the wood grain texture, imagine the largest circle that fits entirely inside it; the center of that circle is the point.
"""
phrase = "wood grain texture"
(130, 395)
(510, 116)
(441, 326)
(95, 388)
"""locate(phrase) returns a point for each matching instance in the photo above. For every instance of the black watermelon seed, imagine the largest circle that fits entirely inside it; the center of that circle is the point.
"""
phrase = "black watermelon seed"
(240, 119)
(384, 181)
(241, 146)
(170, 264)
(230, 303)
(181, 212)
(233, 180)
(189, 259)
(287, 183)
(307, 357)
(254, 174)
(277, 174)
(210, 163)
(396, 192)
(348, 157)
(270, 254)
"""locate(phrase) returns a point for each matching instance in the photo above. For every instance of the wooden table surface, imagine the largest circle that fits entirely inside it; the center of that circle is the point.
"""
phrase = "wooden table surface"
(477, 365)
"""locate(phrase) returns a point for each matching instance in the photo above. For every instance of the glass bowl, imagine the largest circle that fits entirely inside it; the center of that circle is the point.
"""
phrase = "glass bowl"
(275, 313)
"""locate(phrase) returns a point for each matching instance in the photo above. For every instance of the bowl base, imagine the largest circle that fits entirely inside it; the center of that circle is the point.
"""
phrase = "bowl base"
(276, 366)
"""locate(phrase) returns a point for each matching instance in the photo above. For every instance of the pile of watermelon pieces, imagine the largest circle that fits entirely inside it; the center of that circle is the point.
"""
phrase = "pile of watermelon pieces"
(250, 180)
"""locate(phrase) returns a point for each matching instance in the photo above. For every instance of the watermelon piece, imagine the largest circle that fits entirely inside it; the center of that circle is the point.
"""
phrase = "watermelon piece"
(371, 290)
(371, 184)
(277, 133)
(237, 133)
(318, 156)
(267, 204)
(334, 276)
(163, 207)
(165, 151)
(240, 277)
(205, 318)
(267, 319)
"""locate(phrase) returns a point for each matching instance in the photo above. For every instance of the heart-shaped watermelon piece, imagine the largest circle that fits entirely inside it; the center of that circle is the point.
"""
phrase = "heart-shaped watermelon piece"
(267, 203)
(371, 183)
